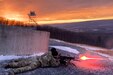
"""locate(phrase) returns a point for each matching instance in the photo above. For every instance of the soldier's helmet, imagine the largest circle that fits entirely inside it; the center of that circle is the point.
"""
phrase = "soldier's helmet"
(54, 52)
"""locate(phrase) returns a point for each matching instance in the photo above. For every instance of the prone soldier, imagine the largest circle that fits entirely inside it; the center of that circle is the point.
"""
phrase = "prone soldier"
(50, 59)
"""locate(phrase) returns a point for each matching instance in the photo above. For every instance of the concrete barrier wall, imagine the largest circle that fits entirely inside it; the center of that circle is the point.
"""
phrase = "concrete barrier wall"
(22, 41)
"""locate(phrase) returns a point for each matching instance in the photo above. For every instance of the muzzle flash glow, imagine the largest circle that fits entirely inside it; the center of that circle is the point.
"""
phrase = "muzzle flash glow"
(86, 58)
(83, 58)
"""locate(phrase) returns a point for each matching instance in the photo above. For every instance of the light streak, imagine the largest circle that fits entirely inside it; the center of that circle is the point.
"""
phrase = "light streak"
(87, 58)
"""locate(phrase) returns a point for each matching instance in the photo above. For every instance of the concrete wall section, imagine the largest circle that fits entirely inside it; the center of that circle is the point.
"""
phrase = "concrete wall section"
(22, 41)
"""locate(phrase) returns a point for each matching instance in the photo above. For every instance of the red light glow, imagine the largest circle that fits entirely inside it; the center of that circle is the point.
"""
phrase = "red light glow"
(86, 58)
(89, 61)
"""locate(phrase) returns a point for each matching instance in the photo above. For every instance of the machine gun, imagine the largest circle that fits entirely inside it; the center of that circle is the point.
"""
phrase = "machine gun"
(64, 60)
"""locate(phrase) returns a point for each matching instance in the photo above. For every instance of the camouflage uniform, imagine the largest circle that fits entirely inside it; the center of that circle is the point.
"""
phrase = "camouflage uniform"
(22, 65)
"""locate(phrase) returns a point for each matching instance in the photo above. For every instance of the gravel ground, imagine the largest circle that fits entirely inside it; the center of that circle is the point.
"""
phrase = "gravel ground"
(102, 67)
(69, 70)
(89, 67)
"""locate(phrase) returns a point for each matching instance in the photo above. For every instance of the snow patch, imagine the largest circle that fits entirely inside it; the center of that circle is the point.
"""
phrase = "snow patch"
(39, 54)
(68, 49)
(10, 57)
(56, 40)
(89, 47)
(105, 55)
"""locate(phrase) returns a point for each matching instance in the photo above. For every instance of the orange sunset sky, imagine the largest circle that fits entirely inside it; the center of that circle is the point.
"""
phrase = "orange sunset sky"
(57, 11)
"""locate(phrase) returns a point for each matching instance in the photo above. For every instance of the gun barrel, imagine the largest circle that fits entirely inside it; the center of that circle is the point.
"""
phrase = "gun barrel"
(66, 57)
(69, 58)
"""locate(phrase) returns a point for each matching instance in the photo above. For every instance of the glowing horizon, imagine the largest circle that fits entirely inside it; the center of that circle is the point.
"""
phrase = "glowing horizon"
(71, 21)
(52, 12)
(42, 22)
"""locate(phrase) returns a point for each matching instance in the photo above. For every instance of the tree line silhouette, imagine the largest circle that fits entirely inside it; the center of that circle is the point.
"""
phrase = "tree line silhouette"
(5, 21)
(90, 38)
